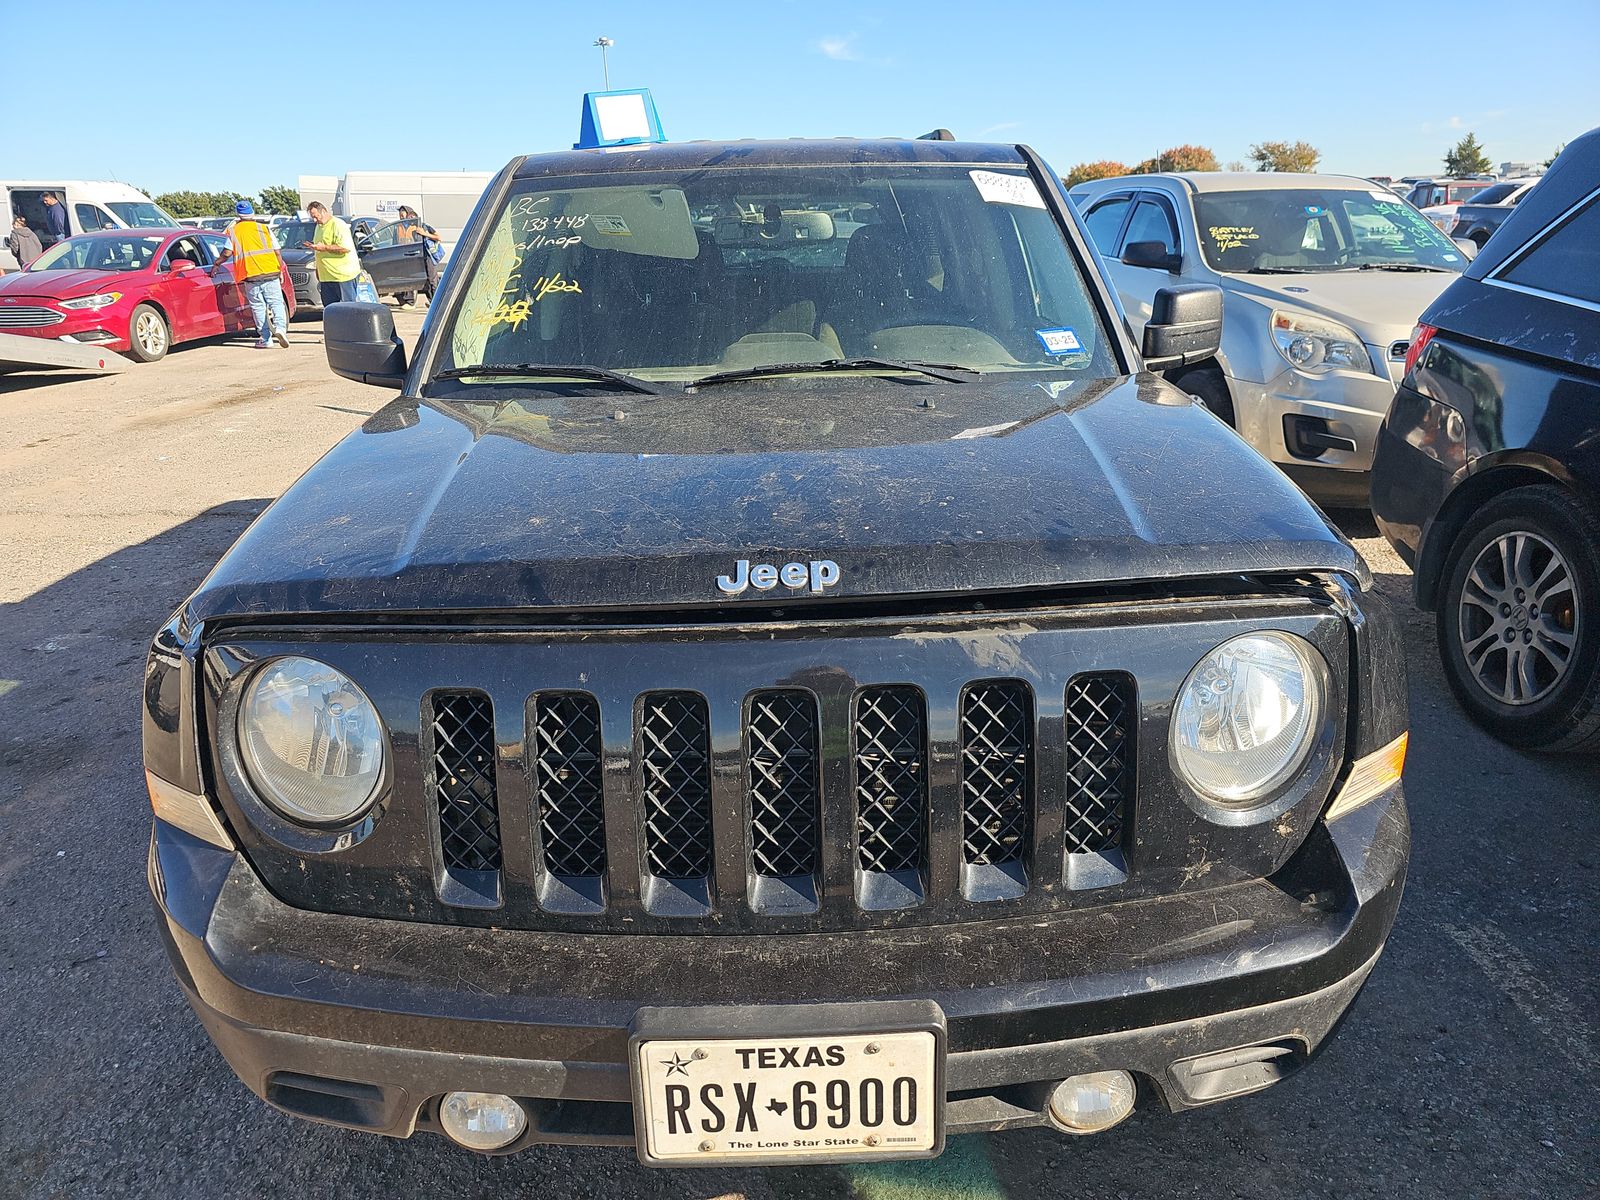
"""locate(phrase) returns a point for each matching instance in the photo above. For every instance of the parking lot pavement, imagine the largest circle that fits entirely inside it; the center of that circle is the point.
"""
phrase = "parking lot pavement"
(1468, 1068)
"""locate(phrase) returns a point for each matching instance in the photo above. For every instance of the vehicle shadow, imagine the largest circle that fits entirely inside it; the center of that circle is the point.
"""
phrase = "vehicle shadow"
(1468, 1058)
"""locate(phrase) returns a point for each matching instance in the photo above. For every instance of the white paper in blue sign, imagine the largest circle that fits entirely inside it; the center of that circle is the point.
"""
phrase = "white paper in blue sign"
(1059, 341)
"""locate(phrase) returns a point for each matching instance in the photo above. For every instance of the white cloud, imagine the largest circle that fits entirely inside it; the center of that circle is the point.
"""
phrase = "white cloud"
(1000, 128)
(1455, 122)
(840, 48)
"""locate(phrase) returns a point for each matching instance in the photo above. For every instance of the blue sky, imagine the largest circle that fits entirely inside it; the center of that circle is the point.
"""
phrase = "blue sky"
(1379, 88)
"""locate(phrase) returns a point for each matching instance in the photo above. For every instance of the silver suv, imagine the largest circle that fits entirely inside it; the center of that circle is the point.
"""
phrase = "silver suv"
(1323, 277)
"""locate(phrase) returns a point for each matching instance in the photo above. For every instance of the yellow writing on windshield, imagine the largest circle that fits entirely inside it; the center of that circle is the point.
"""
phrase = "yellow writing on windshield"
(1228, 236)
(515, 312)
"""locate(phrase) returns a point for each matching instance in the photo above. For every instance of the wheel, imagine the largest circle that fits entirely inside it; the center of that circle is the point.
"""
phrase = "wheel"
(1519, 620)
(1208, 385)
(149, 339)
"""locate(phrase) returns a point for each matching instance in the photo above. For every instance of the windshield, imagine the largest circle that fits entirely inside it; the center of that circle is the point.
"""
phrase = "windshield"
(1497, 194)
(1317, 229)
(676, 276)
(131, 253)
(141, 214)
(292, 233)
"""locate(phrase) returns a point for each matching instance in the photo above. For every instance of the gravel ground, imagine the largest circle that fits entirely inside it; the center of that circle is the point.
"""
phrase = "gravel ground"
(1469, 1067)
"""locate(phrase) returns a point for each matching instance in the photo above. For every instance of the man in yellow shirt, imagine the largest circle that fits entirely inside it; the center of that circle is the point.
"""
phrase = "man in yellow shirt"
(338, 267)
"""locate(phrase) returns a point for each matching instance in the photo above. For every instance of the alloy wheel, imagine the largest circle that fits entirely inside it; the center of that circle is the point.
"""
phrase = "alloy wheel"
(1518, 618)
(151, 333)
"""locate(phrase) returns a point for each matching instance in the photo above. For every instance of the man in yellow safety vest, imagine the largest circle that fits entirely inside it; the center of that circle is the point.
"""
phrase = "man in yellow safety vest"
(258, 269)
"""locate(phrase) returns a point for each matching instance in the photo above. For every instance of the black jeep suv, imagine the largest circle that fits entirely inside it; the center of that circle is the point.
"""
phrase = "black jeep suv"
(784, 681)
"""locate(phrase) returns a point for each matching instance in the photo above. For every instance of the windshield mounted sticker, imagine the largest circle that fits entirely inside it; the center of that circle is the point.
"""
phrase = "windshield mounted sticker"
(1059, 342)
(996, 188)
(1228, 236)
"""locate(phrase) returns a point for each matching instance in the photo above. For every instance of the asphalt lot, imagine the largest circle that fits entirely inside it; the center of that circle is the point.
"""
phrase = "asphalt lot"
(1470, 1067)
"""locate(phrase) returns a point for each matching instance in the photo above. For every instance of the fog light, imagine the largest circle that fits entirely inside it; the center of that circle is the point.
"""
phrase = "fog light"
(482, 1120)
(1092, 1103)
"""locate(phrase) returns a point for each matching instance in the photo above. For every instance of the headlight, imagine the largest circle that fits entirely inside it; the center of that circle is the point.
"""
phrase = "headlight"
(1316, 344)
(102, 300)
(311, 741)
(1247, 717)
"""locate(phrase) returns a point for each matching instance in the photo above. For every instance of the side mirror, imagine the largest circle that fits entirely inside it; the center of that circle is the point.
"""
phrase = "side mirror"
(1185, 326)
(179, 265)
(361, 344)
(1467, 246)
(363, 244)
(1153, 255)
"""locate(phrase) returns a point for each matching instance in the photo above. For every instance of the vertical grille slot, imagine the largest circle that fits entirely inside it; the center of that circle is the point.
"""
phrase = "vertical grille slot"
(675, 784)
(461, 734)
(567, 784)
(1100, 713)
(781, 757)
(996, 787)
(891, 752)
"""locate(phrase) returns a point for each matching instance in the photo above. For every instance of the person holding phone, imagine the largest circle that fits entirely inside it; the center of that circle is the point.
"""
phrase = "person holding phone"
(338, 265)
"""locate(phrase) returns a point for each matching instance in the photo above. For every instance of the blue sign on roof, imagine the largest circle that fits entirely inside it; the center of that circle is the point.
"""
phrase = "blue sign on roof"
(624, 118)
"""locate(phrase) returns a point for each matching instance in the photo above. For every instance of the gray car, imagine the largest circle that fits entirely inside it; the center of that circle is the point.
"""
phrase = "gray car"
(1323, 278)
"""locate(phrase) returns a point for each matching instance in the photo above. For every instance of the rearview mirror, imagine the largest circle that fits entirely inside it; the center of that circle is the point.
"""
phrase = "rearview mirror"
(1185, 326)
(1153, 255)
(1467, 246)
(361, 343)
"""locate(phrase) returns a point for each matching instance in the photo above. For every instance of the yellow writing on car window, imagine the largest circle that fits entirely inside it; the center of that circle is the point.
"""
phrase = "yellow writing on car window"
(515, 312)
(1228, 236)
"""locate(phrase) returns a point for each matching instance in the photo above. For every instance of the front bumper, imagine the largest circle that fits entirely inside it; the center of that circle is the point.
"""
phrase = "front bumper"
(1343, 404)
(365, 1023)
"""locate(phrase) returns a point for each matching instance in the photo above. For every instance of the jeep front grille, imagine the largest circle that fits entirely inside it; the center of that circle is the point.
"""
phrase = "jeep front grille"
(781, 758)
(1099, 744)
(673, 737)
(996, 771)
(891, 752)
(462, 736)
(567, 785)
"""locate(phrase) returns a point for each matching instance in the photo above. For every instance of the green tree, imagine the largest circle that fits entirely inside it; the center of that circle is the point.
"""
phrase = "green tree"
(1466, 157)
(279, 198)
(1551, 161)
(1179, 158)
(1302, 157)
(1104, 169)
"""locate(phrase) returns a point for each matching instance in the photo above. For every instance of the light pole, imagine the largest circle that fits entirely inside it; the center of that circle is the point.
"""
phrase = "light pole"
(605, 44)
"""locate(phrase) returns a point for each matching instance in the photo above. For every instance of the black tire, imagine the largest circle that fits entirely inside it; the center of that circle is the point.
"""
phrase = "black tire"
(1503, 654)
(149, 335)
(1207, 385)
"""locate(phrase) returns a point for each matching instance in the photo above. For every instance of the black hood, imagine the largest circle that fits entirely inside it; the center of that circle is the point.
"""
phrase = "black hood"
(911, 488)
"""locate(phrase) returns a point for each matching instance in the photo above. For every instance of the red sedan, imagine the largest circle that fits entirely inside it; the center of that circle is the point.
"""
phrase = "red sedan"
(140, 291)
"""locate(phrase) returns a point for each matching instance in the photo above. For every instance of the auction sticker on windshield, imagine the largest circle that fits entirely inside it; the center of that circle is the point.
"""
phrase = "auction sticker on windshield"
(789, 1099)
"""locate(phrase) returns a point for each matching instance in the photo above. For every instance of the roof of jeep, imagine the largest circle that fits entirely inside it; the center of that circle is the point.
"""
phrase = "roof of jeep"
(678, 156)
(1235, 181)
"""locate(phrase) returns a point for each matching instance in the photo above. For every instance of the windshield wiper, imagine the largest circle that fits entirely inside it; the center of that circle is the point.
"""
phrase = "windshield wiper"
(1402, 266)
(933, 370)
(1287, 270)
(553, 372)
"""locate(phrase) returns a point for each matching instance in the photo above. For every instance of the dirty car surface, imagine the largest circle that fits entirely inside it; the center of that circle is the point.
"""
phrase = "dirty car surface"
(779, 645)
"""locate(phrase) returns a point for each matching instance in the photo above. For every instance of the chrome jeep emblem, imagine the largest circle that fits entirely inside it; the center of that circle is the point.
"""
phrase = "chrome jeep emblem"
(814, 576)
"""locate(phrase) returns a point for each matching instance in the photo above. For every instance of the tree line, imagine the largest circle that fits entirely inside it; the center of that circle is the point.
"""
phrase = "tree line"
(278, 198)
(1466, 157)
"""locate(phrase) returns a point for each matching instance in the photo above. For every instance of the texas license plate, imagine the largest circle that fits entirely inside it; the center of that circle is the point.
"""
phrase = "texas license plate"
(789, 1099)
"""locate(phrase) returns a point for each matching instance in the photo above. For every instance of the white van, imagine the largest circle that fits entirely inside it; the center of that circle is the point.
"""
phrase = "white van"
(90, 204)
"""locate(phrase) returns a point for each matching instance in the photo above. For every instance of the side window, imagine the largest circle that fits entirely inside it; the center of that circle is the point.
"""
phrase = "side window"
(1104, 220)
(92, 217)
(1567, 261)
(1152, 224)
(216, 244)
(385, 235)
(187, 247)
